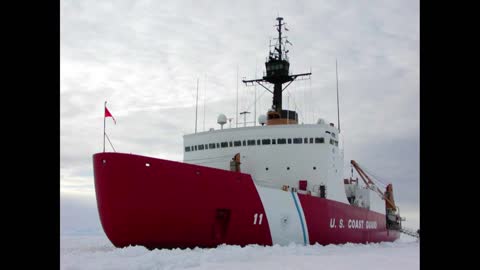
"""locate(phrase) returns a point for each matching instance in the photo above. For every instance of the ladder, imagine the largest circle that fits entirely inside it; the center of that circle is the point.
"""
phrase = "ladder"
(410, 232)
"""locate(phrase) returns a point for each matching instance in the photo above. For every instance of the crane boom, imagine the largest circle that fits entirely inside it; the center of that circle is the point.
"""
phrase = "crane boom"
(388, 198)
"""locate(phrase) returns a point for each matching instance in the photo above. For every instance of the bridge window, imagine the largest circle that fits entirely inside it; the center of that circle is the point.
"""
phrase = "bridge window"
(195, 148)
(230, 143)
(258, 142)
(311, 140)
(251, 142)
(305, 140)
(265, 141)
(200, 147)
(274, 141)
(206, 146)
(282, 141)
(218, 145)
(297, 140)
(224, 144)
(289, 141)
(244, 142)
(319, 140)
(212, 146)
(187, 149)
(237, 143)
(331, 142)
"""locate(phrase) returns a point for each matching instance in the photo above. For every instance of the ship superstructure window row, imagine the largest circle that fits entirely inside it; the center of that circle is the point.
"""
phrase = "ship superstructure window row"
(252, 142)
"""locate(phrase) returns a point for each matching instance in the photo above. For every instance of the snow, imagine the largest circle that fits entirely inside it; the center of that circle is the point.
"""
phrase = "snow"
(96, 252)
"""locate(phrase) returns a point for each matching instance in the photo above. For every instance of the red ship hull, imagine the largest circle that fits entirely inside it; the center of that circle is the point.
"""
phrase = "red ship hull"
(165, 204)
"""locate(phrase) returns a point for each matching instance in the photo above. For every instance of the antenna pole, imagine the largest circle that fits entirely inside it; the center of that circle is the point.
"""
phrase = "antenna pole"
(196, 109)
(236, 114)
(104, 108)
(244, 118)
(255, 89)
(279, 37)
(204, 99)
(338, 104)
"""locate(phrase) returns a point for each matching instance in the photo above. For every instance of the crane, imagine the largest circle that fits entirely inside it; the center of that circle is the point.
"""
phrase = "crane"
(387, 196)
(392, 211)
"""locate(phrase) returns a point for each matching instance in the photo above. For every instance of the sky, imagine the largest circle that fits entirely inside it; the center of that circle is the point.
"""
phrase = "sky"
(144, 59)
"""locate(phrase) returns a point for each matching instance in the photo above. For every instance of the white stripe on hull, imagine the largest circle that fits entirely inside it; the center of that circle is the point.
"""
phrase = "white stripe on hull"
(303, 222)
(284, 219)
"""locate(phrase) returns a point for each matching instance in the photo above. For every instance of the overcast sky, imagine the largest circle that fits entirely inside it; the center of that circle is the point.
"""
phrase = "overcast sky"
(144, 58)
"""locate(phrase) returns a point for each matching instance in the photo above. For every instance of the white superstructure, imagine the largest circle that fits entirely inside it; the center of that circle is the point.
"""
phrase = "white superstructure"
(276, 155)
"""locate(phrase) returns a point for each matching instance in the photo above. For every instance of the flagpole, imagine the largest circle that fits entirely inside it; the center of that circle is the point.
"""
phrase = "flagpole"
(104, 107)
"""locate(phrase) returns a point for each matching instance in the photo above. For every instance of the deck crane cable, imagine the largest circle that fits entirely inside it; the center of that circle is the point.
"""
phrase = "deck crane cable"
(375, 177)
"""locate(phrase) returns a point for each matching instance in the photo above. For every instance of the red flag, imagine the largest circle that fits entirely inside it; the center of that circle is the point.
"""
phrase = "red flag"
(108, 114)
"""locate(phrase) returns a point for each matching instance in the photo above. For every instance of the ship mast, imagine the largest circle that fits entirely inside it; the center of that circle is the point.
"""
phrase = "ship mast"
(277, 67)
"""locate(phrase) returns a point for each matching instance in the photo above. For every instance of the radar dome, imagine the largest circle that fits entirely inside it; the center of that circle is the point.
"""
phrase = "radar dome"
(222, 119)
(262, 119)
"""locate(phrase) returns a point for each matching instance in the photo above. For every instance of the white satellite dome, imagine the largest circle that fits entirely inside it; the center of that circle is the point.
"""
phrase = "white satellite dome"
(262, 119)
(222, 119)
(321, 121)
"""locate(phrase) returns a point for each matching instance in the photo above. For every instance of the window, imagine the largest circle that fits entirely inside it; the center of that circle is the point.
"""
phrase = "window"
(206, 146)
(212, 146)
(327, 132)
(218, 145)
(282, 141)
(258, 142)
(200, 147)
(297, 140)
(187, 149)
(336, 143)
(311, 140)
(195, 148)
(251, 142)
(319, 140)
(224, 144)
(265, 141)
(230, 143)
(237, 143)
(289, 141)
(305, 140)
(274, 141)
(331, 141)
(244, 142)
(333, 134)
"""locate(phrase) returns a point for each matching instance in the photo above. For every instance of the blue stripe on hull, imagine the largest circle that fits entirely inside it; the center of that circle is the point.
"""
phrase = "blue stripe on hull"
(301, 219)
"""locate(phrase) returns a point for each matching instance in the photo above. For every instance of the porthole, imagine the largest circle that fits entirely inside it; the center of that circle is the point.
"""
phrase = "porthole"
(147, 164)
(314, 167)
(266, 169)
(288, 168)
